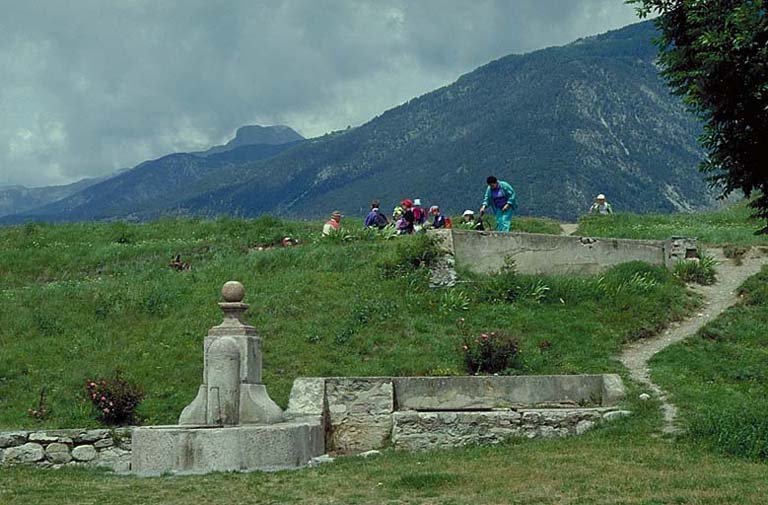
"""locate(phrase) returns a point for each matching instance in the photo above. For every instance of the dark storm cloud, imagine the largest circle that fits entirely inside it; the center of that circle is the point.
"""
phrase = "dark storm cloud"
(90, 86)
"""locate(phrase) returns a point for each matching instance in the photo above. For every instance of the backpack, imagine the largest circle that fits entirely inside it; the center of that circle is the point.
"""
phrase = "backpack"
(380, 221)
(448, 222)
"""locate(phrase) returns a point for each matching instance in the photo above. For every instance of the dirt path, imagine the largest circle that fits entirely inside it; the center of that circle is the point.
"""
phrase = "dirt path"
(717, 298)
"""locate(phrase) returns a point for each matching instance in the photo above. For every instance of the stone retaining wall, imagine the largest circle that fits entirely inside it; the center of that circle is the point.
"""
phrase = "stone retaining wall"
(71, 447)
(416, 431)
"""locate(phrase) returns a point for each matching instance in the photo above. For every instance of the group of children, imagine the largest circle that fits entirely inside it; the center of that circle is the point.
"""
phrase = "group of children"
(408, 217)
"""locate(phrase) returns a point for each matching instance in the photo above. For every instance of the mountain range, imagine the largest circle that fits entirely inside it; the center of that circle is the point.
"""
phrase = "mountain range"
(153, 187)
(560, 124)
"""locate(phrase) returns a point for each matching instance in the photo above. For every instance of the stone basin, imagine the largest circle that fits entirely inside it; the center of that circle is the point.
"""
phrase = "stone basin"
(184, 450)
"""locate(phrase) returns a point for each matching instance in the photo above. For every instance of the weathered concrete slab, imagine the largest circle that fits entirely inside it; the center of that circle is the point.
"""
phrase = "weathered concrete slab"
(533, 253)
(197, 450)
(491, 392)
(613, 390)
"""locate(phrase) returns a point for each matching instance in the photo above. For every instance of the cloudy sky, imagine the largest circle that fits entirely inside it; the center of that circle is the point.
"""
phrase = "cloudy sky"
(91, 86)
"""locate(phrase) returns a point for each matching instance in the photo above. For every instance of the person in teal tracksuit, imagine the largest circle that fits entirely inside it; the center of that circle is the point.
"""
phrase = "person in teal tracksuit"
(501, 196)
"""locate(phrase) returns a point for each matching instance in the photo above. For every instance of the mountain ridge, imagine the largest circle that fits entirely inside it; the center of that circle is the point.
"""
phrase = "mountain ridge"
(561, 124)
(148, 184)
(649, 165)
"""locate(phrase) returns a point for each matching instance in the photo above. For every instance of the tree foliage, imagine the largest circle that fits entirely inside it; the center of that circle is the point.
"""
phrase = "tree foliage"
(715, 54)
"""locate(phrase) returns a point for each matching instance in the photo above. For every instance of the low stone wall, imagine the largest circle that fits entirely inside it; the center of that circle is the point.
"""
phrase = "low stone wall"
(72, 447)
(416, 431)
(365, 413)
(533, 253)
(352, 414)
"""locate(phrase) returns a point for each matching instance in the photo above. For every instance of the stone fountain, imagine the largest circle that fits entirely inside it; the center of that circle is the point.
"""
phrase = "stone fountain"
(232, 424)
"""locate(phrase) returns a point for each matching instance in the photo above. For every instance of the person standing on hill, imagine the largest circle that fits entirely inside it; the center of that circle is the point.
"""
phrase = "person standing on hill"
(375, 218)
(501, 196)
(333, 225)
(601, 206)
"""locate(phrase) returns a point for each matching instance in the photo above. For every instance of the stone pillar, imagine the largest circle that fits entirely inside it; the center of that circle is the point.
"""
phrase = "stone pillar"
(232, 392)
(679, 249)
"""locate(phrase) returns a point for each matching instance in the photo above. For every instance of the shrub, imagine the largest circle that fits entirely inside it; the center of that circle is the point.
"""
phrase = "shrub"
(701, 271)
(121, 233)
(411, 254)
(735, 252)
(115, 399)
(490, 353)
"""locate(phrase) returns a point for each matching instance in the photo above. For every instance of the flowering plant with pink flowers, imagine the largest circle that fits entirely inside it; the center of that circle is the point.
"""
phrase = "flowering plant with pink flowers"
(490, 353)
(115, 399)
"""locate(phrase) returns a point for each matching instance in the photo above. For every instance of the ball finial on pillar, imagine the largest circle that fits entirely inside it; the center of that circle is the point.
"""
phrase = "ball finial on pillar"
(233, 292)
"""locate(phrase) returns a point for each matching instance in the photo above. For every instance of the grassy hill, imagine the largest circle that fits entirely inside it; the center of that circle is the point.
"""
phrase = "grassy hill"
(80, 300)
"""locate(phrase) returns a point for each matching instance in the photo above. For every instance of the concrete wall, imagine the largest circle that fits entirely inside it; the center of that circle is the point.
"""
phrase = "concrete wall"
(485, 252)
(497, 392)
(364, 413)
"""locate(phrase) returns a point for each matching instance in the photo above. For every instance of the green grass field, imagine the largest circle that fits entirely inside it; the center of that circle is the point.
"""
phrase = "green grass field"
(731, 225)
(79, 301)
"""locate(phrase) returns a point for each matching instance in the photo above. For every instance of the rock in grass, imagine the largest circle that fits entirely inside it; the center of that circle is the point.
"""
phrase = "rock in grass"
(13, 438)
(319, 460)
(584, 426)
(58, 453)
(616, 414)
(27, 453)
(42, 437)
(84, 453)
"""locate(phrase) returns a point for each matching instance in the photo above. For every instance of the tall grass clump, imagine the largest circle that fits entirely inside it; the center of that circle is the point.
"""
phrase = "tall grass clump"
(699, 271)
(412, 253)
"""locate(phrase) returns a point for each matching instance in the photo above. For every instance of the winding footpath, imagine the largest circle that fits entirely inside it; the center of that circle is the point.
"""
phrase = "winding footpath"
(716, 298)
